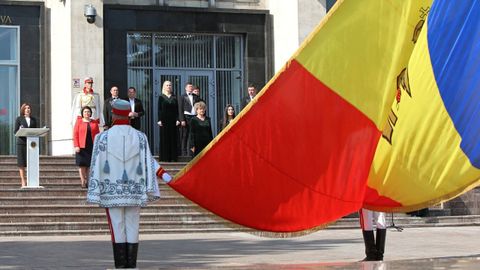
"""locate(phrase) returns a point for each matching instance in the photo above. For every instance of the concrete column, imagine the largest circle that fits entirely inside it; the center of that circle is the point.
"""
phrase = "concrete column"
(293, 21)
(87, 45)
(59, 22)
(310, 13)
(285, 30)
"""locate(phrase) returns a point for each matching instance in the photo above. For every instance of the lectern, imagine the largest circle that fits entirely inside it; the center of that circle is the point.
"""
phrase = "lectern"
(33, 160)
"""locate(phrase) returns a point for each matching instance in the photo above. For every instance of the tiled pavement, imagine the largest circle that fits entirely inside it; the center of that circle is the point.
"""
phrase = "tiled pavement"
(414, 248)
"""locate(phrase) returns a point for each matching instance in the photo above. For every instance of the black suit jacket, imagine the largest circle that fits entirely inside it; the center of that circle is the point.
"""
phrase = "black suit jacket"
(185, 105)
(136, 122)
(21, 122)
(245, 101)
(107, 111)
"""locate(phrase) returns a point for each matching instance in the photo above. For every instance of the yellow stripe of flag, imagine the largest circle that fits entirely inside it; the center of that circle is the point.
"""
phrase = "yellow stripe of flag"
(360, 51)
(424, 163)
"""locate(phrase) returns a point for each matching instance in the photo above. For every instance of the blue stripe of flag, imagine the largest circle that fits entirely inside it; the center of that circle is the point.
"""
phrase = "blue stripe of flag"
(454, 45)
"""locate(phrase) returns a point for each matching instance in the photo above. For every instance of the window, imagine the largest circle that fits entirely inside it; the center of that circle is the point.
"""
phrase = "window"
(9, 77)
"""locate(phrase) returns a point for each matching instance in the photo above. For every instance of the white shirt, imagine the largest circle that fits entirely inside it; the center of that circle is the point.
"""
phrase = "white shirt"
(190, 97)
(132, 104)
(28, 121)
(192, 112)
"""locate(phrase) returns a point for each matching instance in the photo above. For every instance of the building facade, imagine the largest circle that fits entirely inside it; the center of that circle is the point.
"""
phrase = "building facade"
(48, 47)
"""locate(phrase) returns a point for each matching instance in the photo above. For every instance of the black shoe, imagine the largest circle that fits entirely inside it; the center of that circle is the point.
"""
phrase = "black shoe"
(370, 248)
(132, 250)
(120, 255)
(380, 243)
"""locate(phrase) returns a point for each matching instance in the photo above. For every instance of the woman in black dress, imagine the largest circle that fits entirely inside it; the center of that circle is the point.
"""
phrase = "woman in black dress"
(25, 120)
(84, 134)
(168, 122)
(200, 129)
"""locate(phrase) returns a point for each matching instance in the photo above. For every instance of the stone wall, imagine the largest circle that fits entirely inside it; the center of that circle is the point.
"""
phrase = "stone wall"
(465, 204)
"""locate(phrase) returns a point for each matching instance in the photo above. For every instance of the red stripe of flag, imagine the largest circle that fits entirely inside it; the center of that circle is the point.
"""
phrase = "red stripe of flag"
(299, 158)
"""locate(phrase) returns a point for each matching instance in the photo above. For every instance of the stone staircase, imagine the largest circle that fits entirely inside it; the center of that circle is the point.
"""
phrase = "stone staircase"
(60, 207)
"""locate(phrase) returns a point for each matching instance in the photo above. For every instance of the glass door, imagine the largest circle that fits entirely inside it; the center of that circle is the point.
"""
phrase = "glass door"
(10, 78)
(213, 62)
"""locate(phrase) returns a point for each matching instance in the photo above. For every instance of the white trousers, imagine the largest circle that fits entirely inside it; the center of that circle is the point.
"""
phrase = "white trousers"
(369, 217)
(124, 223)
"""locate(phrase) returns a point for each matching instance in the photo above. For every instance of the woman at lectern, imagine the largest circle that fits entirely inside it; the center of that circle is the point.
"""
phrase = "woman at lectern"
(25, 120)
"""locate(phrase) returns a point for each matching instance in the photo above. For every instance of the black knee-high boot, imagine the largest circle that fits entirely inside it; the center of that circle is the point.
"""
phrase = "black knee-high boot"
(120, 255)
(132, 250)
(380, 243)
(370, 248)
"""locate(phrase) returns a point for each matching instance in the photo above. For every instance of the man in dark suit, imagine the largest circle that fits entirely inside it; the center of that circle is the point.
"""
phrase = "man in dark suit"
(185, 113)
(252, 92)
(137, 108)
(196, 91)
(107, 107)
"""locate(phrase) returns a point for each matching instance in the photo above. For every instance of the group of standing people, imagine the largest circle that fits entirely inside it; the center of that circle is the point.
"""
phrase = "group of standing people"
(88, 119)
(185, 128)
(186, 113)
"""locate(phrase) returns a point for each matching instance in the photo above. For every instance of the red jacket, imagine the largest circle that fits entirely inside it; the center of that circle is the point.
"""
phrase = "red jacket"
(80, 132)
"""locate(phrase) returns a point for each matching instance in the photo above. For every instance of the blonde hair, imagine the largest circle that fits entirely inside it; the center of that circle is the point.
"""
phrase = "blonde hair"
(164, 88)
(200, 105)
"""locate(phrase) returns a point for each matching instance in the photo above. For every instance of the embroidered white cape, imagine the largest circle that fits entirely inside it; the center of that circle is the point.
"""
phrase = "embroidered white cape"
(123, 171)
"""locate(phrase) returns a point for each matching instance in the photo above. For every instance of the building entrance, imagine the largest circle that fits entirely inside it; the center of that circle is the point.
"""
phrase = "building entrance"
(212, 62)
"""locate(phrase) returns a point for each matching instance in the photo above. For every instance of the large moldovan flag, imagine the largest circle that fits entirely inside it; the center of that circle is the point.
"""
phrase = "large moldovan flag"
(300, 155)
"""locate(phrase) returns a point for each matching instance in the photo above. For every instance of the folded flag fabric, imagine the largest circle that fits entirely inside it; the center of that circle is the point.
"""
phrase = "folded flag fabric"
(299, 156)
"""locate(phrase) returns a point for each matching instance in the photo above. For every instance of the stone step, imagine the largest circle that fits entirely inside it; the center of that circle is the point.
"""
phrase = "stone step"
(86, 228)
(61, 200)
(67, 158)
(51, 180)
(45, 173)
(106, 232)
(47, 160)
(51, 226)
(155, 207)
(13, 165)
(101, 217)
(74, 183)
(62, 191)
(71, 164)
(409, 222)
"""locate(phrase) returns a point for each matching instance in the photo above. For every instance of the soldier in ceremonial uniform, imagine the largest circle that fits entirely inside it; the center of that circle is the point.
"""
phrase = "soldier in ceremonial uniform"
(374, 246)
(87, 98)
(123, 178)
